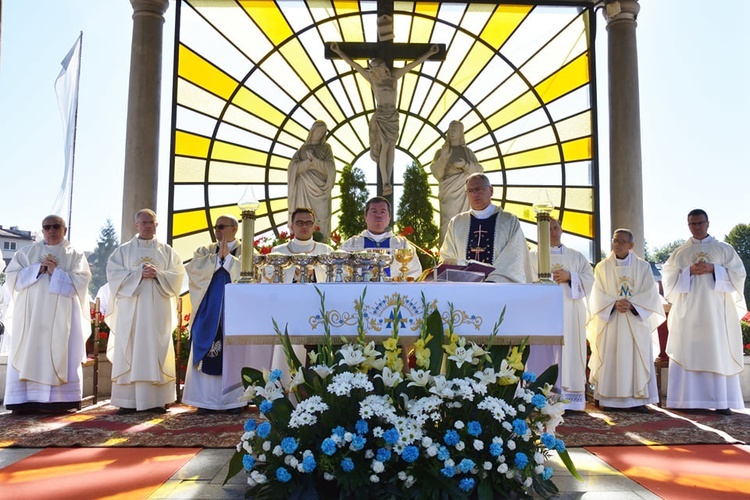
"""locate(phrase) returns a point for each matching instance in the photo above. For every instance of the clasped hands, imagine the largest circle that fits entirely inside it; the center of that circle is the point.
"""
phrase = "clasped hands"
(701, 268)
(623, 305)
(48, 266)
(560, 276)
(148, 271)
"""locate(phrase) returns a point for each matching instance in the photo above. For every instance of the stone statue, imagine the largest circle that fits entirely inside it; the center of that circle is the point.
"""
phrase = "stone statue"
(384, 122)
(452, 165)
(311, 176)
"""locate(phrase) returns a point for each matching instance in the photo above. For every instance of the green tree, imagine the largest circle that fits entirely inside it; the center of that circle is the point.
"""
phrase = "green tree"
(415, 211)
(661, 254)
(98, 259)
(353, 198)
(739, 238)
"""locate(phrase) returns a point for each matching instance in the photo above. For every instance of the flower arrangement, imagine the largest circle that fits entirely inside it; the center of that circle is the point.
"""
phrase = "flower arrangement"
(265, 244)
(182, 332)
(365, 427)
(745, 324)
(103, 333)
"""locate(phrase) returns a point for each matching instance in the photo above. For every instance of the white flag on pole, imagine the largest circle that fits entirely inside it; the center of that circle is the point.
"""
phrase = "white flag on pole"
(66, 88)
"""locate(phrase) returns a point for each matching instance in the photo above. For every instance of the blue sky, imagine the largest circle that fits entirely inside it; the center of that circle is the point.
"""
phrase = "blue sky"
(693, 66)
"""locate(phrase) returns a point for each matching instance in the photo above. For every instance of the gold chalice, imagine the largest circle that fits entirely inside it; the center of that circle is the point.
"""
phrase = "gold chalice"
(279, 261)
(303, 261)
(403, 256)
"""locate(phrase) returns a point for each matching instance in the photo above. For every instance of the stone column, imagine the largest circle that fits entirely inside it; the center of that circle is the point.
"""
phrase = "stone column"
(626, 180)
(142, 137)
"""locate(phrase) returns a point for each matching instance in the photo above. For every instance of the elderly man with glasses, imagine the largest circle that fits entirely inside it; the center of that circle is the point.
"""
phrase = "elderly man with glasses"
(704, 279)
(49, 282)
(625, 308)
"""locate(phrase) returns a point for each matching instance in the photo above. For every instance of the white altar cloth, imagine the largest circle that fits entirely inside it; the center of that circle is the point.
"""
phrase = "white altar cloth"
(533, 311)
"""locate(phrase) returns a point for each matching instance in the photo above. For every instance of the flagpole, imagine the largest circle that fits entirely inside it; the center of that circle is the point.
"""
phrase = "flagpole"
(75, 132)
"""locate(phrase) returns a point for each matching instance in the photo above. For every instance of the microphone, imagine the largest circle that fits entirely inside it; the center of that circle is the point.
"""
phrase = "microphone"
(430, 255)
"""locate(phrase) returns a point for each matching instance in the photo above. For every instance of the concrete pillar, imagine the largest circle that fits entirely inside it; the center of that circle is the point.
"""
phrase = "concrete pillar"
(626, 179)
(142, 138)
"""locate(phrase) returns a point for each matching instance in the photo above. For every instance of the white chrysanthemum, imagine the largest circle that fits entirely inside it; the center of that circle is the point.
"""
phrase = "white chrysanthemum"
(409, 481)
(487, 465)
(374, 478)
(460, 446)
(502, 468)
(402, 475)
(449, 463)
(369, 454)
(258, 477)
(377, 432)
(277, 451)
(377, 466)
(511, 445)
(539, 469)
(262, 457)
(426, 441)
(266, 446)
(478, 444)
(538, 458)
(459, 424)
(432, 450)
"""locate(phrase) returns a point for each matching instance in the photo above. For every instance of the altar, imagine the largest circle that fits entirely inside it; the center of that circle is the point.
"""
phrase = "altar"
(532, 311)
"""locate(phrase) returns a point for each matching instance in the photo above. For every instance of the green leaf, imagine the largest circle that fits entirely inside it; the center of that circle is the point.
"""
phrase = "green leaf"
(565, 457)
(435, 328)
(235, 466)
(251, 376)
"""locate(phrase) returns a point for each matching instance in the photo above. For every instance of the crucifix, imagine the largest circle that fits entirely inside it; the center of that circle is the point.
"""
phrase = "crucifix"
(383, 78)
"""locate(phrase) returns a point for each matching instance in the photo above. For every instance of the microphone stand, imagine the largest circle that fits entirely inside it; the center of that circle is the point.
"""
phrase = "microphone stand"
(430, 255)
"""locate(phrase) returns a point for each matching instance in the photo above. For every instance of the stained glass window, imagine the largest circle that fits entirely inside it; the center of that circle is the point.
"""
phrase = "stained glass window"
(252, 78)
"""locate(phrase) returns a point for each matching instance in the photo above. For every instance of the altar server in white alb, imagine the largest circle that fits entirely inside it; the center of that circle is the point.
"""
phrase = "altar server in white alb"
(625, 309)
(378, 218)
(489, 235)
(302, 225)
(145, 278)
(212, 267)
(704, 280)
(49, 282)
(573, 272)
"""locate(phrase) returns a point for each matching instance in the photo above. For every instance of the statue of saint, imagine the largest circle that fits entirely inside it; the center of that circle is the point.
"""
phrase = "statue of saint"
(452, 165)
(384, 122)
(311, 176)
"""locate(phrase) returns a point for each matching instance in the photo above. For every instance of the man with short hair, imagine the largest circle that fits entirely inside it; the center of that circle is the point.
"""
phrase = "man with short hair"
(625, 308)
(145, 278)
(573, 272)
(487, 234)
(49, 283)
(704, 279)
(377, 235)
(212, 267)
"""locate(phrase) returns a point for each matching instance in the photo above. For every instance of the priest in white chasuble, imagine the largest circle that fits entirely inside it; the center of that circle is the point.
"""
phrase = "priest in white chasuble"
(625, 309)
(212, 267)
(489, 235)
(377, 235)
(49, 284)
(573, 272)
(704, 280)
(145, 278)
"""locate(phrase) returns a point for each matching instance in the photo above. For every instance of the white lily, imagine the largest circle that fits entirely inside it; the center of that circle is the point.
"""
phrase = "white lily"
(298, 379)
(322, 370)
(249, 394)
(390, 378)
(418, 378)
(487, 376)
(462, 356)
(351, 354)
(442, 387)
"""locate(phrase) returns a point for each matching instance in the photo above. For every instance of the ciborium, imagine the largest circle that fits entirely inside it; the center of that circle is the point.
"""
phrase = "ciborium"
(382, 263)
(334, 263)
(365, 261)
(303, 261)
(403, 256)
(279, 262)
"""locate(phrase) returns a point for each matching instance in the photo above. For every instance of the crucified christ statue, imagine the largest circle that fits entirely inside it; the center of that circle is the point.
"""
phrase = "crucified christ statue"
(384, 122)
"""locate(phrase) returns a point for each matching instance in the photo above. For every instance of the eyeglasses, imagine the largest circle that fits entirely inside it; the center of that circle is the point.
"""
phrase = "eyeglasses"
(618, 241)
(303, 223)
(219, 227)
(47, 227)
(699, 223)
(475, 190)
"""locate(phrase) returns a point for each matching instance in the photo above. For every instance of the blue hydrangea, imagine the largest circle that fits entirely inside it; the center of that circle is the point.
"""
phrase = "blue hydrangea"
(529, 377)
(308, 463)
(539, 401)
(547, 473)
(448, 471)
(521, 460)
(496, 449)
(474, 428)
(251, 425)
(466, 484)
(264, 430)
(451, 437)
(466, 465)
(328, 446)
(549, 440)
(347, 464)
(559, 446)
(358, 442)
(266, 406)
(275, 375)
(520, 427)
(391, 436)
(410, 453)
(443, 453)
(248, 462)
(283, 475)
(288, 445)
(339, 431)
(361, 427)
(383, 455)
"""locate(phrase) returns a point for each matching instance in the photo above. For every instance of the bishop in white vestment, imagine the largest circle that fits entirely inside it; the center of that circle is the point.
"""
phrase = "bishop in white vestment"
(49, 283)
(704, 280)
(489, 235)
(625, 309)
(145, 277)
(573, 272)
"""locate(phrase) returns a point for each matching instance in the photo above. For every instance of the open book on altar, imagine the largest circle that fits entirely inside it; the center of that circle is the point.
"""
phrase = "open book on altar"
(472, 272)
